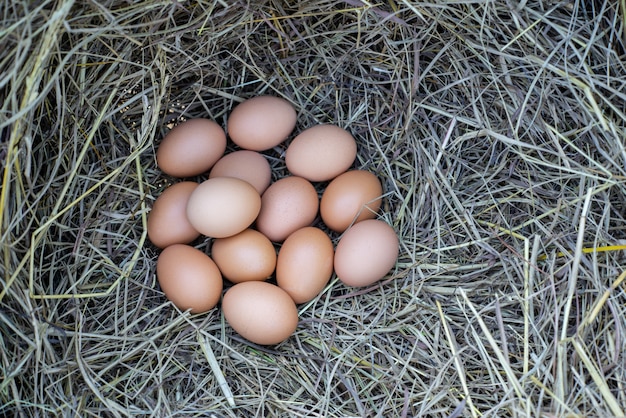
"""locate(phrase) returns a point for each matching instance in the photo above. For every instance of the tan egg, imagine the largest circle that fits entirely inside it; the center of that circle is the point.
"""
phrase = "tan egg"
(260, 312)
(261, 123)
(321, 153)
(366, 252)
(286, 206)
(167, 221)
(350, 197)
(223, 206)
(189, 278)
(245, 165)
(191, 148)
(249, 255)
(305, 263)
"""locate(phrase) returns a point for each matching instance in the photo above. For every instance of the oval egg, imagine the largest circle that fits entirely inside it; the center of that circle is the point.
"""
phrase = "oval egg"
(245, 165)
(350, 197)
(321, 153)
(189, 278)
(261, 123)
(249, 255)
(286, 206)
(260, 312)
(191, 148)
(305, 263)
(223, 206)
(366, 252)
(167, 221)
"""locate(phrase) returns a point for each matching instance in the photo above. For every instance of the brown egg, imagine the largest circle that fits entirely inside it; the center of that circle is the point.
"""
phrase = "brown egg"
(223, 206)
(167, 221)
(305, 263)
(260, 312)
(191, 148)
(245, 165)
(249, 255)
(321, 153)
(189, 278)
(261, 123)
(352, 196)
(366, 252)
(286, 206)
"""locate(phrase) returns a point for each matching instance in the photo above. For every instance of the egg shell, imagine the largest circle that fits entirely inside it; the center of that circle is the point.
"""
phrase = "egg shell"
(249, 255)
(260, 312)
(287, 205)
(305, 263)
(261, 123)
(167, 221)
(191, 148)
(245, 165)
(366, 252)
(223, 206)
(189, 278)
(321, 153)
(352, 196)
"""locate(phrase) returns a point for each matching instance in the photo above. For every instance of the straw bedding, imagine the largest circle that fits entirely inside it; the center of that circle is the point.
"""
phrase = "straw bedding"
(497, 129)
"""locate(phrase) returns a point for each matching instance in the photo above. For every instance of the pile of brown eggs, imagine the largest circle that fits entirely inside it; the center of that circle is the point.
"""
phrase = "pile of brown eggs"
(263, 233)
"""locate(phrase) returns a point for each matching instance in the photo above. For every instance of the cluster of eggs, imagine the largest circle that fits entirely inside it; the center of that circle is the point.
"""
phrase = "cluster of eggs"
(262, 231)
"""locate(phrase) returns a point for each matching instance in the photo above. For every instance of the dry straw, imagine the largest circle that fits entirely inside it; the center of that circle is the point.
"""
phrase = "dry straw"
(498, 130)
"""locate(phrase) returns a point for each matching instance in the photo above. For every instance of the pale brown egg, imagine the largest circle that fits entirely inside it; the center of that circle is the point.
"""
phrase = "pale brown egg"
(366, 252)
(321, 153)
(249, 255)
(245, 165)
(350, 197)
(260, 312)
(261, 123)
(167, 221)
(191, 148)
(189, 278)
(223, 206)
(286, 206)
(305, 263)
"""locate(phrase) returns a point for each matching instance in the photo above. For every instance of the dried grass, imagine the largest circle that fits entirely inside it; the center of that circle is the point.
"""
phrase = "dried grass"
(498, 129)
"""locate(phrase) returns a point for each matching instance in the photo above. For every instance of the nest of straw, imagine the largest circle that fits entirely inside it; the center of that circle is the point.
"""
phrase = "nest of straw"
(497, 129)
